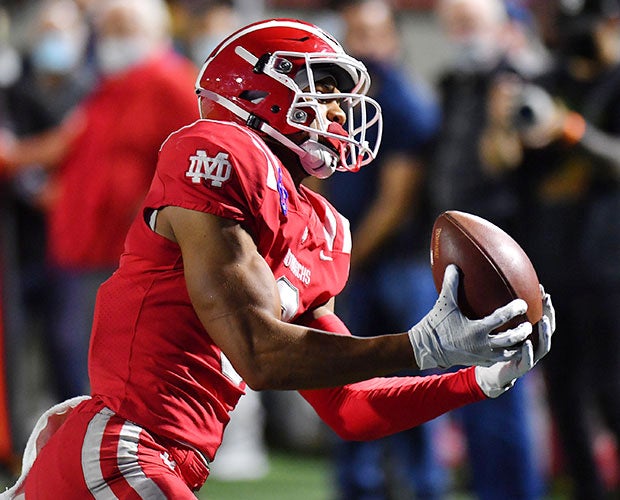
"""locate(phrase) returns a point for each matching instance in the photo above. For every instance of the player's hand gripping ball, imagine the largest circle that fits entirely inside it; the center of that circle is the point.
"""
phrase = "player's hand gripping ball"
(494, 268)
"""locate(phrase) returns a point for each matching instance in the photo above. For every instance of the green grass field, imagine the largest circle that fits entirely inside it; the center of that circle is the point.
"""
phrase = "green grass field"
(294, 476)
(291, 477)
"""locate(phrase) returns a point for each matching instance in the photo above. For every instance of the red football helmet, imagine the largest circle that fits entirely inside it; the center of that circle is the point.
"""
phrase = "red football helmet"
(264, 77)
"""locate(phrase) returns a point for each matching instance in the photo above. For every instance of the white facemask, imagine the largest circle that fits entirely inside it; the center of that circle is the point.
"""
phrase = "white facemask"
(117, 54)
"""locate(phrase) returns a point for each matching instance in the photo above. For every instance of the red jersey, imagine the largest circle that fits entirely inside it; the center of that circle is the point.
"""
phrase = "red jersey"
(151, 360)
(103, 179)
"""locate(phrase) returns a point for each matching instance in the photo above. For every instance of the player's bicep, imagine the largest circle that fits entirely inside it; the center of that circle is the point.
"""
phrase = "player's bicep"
(229, 283)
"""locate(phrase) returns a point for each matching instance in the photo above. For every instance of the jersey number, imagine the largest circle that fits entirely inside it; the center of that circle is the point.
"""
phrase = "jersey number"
(289, 298)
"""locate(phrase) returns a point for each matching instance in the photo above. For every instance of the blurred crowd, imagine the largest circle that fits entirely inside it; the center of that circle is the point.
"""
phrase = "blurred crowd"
(508, 109)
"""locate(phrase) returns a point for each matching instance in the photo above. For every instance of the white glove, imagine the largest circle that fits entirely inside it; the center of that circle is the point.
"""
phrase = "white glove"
(498, 378)
(445, 337)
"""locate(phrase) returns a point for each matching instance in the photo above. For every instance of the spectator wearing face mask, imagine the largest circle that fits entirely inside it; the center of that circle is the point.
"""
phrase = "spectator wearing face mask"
(101, 162)
(58, 72)
(54, 80)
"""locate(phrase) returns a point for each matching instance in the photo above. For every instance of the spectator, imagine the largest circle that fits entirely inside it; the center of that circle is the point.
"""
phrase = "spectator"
(57, 76)
(54, 81)
(101, 161)
(229, 277)
(568, 126)
(390, 282)
(503, 462)
(209, 23)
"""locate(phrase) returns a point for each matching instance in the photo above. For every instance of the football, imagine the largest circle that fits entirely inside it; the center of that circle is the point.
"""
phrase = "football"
(494, 268)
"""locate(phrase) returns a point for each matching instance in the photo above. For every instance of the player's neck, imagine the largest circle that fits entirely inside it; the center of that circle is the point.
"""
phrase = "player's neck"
(290, 161)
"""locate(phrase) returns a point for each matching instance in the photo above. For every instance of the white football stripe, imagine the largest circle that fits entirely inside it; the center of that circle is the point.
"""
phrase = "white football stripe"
(330, 227)
(346, 234)
(130, 468)
(127, 460)
(91, 450)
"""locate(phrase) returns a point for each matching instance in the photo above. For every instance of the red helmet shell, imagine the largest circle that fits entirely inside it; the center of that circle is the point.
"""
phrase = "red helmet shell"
(227, 73)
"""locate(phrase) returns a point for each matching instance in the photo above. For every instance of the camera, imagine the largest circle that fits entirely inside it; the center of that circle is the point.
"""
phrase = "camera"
(534, 107)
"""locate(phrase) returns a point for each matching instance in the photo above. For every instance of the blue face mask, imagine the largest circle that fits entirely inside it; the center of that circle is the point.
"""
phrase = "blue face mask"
(56, 53)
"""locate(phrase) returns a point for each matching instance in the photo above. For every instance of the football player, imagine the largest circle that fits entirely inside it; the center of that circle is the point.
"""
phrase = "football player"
(229, 276)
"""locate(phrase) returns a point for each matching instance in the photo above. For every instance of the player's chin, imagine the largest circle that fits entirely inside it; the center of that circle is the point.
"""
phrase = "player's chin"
(298, 137)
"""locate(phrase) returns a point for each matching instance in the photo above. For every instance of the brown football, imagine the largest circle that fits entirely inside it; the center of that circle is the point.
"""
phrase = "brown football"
(494, 268)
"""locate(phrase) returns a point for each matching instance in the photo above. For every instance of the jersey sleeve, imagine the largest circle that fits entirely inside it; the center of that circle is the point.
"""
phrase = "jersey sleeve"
(211, 167)
(379, 407)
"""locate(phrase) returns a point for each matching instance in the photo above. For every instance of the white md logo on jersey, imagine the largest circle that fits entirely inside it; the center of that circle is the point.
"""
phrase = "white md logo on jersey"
(216, 169)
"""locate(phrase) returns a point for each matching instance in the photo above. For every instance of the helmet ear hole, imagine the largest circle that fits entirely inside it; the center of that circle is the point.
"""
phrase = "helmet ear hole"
(254, 96)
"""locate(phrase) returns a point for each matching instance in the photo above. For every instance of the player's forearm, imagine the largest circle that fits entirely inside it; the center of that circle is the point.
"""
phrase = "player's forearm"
(379, 407)
(288, 357)
(318, 359)
(382, 406)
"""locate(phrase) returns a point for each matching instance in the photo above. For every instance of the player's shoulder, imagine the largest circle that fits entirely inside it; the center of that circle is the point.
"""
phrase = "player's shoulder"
(242, 147)
(220, 153)
(227, 135)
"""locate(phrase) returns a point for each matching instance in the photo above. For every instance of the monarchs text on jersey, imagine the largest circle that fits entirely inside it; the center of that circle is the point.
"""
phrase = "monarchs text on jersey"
(151, 360)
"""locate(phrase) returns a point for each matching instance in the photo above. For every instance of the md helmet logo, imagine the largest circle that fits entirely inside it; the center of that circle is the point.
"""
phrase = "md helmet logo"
(215, 170)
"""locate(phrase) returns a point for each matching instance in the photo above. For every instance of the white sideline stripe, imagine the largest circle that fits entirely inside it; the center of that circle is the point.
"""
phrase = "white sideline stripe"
(130, 468)
(91, 450)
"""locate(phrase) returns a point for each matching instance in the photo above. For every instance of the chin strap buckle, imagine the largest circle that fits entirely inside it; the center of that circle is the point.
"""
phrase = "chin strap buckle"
(254, 122)
(259, 67)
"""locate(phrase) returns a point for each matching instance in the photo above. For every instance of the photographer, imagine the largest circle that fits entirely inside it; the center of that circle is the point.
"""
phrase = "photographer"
(563, 134)
(488, 43)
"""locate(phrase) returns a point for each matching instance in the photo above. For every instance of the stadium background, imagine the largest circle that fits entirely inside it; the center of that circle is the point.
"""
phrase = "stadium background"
(299, 464)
